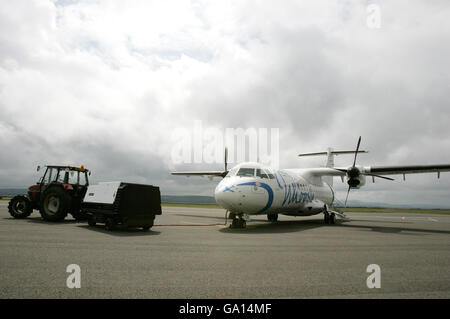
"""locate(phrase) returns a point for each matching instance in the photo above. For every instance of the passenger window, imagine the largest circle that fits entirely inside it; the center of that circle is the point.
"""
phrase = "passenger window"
(246, 172)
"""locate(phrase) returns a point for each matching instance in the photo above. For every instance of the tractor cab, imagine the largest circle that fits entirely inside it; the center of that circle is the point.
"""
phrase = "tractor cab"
(75, 176)
(69, 177)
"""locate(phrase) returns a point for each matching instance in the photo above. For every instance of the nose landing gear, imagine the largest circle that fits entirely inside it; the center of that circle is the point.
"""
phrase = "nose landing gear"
(238, 221)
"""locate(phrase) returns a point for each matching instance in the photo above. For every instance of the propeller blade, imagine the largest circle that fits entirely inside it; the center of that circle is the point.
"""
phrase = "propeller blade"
(346, 197)
(226, 158)
(379, 176)
(357, 149)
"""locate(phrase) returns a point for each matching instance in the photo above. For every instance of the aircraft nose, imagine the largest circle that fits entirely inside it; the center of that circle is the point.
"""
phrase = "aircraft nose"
(226, 196)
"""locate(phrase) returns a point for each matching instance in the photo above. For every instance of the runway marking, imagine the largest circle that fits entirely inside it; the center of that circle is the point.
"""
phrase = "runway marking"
(403, 218)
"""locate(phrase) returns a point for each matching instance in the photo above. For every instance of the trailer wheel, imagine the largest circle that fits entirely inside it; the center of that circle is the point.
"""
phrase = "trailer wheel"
(55, 204)
(79, 216)
(109, 224)
(20, 207)
(147, 227)
(92, 221)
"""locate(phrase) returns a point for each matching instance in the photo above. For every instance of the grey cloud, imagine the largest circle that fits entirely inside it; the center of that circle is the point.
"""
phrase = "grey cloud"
(314, 71)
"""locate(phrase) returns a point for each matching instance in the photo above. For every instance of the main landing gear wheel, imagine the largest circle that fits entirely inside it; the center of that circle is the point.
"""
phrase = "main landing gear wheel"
(326, 217)
(238, 223)
(329, 218)
(272, 217)
(332, 218)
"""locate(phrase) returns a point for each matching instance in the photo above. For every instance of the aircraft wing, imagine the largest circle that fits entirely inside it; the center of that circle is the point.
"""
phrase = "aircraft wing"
(206, 173)
(411, 169)
(381, 170)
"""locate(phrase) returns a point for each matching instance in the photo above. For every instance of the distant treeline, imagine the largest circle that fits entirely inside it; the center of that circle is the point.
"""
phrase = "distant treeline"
(8, 192)
(176, 199)
(188, 199)
(194, 199)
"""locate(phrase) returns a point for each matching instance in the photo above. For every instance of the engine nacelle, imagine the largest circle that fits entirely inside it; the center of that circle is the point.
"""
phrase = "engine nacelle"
(355, 179)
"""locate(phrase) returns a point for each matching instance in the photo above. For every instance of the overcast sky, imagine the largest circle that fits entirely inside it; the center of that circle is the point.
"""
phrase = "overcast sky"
(105, 83)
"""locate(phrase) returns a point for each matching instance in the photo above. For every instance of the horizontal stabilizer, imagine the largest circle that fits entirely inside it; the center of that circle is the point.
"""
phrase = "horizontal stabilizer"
(331, 153)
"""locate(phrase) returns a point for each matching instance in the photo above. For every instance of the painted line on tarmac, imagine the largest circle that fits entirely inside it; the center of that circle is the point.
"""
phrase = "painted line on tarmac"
(403, 218)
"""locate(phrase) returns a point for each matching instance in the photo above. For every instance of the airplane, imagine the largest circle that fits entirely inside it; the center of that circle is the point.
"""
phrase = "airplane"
(251, 188)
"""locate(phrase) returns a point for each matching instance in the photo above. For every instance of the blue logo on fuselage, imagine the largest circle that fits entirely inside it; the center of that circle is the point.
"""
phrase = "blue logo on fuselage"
(267, 188)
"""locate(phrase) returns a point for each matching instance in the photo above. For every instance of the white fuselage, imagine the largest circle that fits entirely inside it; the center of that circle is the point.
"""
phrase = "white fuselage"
(287, 191)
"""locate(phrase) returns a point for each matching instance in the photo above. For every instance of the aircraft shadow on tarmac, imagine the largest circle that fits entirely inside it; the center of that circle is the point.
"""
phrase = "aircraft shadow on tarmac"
(261, 226)
(265, 227)
(124, 232)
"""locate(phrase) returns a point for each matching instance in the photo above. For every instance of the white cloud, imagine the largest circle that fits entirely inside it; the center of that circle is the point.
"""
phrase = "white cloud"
(107, 81)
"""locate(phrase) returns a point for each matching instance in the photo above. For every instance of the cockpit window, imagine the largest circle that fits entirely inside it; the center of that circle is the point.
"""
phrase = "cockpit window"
(246, 172)
(264, 173)
(261, 173)
(269, 173)
(232, 172)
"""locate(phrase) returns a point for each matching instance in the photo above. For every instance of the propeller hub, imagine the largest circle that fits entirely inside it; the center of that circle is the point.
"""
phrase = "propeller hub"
(353, 172)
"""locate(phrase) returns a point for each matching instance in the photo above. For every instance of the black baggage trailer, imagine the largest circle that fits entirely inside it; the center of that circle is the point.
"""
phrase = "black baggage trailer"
(122, 205)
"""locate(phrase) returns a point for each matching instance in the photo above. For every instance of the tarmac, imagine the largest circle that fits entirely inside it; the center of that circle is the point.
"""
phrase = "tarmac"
(190, 253)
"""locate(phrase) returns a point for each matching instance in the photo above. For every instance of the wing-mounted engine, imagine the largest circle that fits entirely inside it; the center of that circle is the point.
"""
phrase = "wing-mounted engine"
(356, 177)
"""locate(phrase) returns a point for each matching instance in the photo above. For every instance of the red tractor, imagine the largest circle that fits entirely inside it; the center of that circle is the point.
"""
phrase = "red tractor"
(59, 192)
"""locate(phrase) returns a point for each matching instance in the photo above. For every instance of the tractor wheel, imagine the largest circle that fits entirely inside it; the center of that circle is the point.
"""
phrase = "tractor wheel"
(55, 204)
(20, 207)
